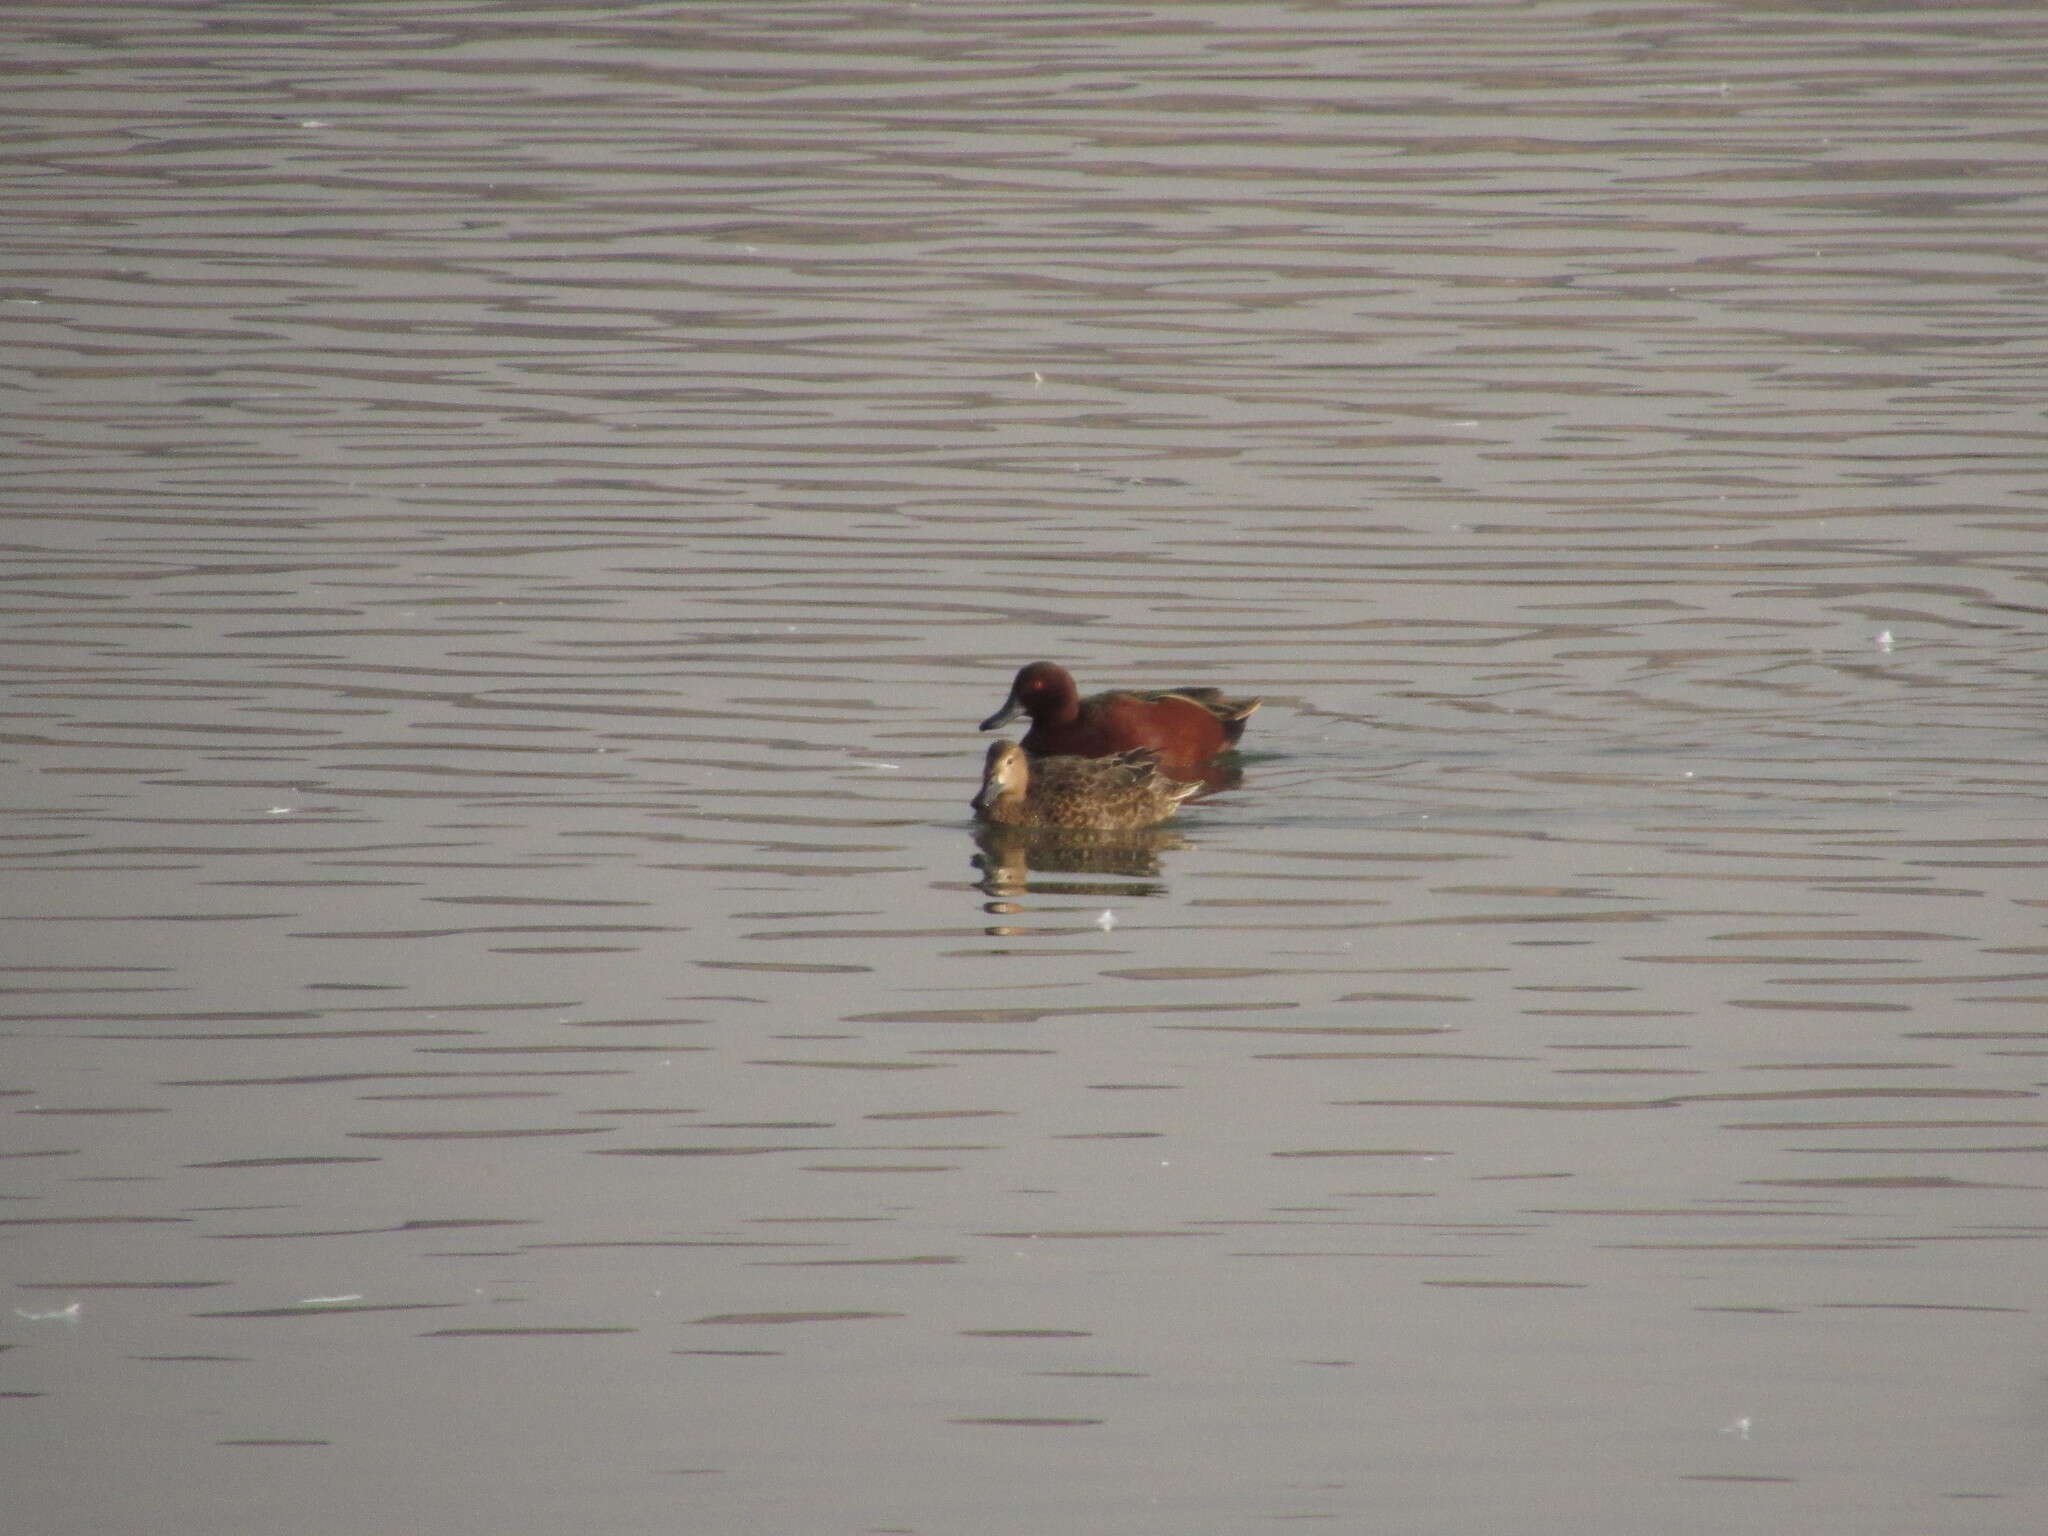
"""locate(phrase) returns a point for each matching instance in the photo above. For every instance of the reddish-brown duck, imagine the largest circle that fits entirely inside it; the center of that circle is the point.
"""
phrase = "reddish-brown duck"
(1185, 727)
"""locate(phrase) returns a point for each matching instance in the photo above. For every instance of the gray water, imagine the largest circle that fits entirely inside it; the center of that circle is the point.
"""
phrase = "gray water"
(513, 514)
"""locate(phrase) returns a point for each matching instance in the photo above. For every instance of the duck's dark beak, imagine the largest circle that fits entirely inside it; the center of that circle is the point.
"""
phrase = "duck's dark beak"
(1012, 708)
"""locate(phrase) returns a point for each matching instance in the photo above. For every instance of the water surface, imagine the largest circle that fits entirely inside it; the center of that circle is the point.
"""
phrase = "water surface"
(514, 515)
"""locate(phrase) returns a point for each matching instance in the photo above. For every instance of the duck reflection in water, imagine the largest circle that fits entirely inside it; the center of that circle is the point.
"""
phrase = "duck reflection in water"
(1009, 856)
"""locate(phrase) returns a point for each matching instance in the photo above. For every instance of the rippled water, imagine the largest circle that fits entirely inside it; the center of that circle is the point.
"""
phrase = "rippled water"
(513, 515)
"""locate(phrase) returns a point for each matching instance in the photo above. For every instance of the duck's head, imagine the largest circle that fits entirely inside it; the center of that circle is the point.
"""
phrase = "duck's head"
(1042, 689)
(1005, 775)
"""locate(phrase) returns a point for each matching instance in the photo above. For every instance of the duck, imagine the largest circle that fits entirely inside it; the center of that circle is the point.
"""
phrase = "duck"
(1185, 727)
(1104, 794)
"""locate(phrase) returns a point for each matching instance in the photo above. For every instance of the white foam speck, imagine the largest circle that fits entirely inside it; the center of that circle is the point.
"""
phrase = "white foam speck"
(70, 1314)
